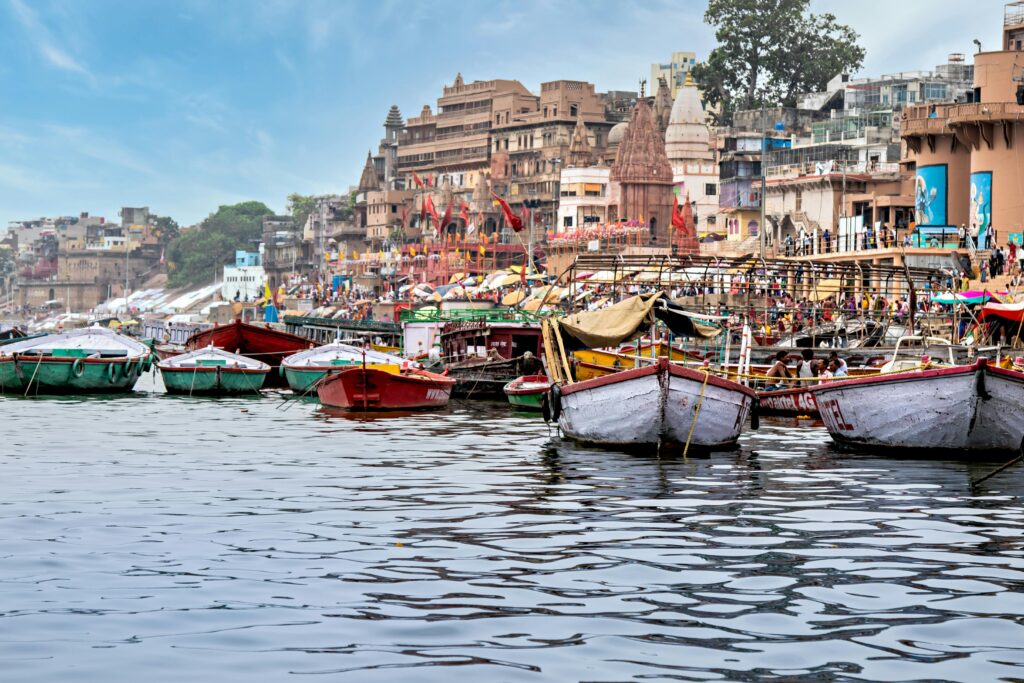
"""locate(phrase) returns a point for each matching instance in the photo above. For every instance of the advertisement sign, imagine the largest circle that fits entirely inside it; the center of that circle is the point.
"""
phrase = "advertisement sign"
(930, 195)
(981, 206)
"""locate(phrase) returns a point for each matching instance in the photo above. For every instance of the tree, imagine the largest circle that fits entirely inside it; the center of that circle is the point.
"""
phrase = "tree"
(166, 229)
(300, 206)
(197, 255)
(769, 51)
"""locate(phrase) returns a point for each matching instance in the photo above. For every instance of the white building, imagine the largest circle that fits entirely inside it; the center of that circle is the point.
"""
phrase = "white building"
(584, 197)
(689, 150)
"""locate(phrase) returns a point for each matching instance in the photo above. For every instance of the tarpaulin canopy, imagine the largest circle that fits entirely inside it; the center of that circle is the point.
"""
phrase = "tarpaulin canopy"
(683, 323)
(610, 326)
(971, 296)
(1011, 312)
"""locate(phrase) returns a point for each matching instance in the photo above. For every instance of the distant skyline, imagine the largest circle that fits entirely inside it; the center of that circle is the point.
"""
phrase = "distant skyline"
(187, 105)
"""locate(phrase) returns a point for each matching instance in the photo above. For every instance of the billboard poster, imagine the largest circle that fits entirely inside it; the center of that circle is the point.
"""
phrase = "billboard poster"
(981, 206)
(930, 195)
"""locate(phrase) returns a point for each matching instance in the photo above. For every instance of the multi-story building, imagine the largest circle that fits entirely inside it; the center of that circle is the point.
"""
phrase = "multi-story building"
(531, 138)
(675, 71)
(283, 251)
(245, 279)
(384, 215)
(455, 142)
(385, 163)
(967, 168)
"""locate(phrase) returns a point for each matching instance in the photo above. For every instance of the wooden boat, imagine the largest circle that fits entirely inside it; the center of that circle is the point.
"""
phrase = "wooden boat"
(88, 360)
(367, 388)
(528, 391)
(795, 402)
(662, 403)
(255, 341)
(212, 372)
(967, 409)
(656, 404)
(305, 368)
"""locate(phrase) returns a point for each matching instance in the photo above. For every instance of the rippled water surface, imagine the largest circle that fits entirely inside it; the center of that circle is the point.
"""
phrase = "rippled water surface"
(152, 538)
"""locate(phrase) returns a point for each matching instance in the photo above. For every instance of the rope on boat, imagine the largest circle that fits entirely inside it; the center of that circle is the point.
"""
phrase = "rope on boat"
(988, 476)
(696, 412)
(32, 378)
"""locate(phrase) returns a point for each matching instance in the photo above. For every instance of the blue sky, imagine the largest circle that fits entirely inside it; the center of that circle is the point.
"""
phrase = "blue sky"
(184, 105)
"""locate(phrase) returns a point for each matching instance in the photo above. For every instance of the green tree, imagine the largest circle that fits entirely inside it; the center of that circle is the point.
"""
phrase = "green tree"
(197, 255)
(769, 51)
(166, 229)
(300, 206)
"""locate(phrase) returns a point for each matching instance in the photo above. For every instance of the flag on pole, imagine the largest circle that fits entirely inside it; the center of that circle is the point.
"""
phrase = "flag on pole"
(428, 206)
(464, 213)
(416, 179)
(514, 221)
(447, 217)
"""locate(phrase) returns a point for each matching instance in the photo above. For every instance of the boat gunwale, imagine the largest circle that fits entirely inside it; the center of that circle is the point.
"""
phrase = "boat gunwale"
(917, 375)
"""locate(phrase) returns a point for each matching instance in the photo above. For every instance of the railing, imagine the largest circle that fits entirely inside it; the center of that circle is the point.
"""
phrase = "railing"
(343, 323)
(489, 315)
(824, 168)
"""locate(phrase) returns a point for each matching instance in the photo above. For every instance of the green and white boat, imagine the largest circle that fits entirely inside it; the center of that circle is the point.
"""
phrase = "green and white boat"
(305, 368)
(85, 361)
(212, 372)
(528, 392)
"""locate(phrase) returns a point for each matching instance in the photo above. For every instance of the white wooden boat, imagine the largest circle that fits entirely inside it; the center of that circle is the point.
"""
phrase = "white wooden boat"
(657, 404)
(972, 408)
(213, 371)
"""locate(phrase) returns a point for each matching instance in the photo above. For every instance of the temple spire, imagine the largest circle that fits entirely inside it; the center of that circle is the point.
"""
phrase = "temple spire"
(368, 181)
(580, 155)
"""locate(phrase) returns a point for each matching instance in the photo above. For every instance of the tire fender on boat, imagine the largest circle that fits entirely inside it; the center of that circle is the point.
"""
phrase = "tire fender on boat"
(111, 371)
(555, 409)
(78, 367)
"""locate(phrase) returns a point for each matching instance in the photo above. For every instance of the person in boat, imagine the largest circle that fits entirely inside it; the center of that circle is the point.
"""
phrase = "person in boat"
(779, 372)
(806, 367)
(530, 365)
(837, 366)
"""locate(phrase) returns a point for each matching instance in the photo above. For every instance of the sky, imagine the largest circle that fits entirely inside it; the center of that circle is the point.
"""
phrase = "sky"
(186, 105)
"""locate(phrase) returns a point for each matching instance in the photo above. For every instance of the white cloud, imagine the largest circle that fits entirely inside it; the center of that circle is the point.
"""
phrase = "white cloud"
(45, 42)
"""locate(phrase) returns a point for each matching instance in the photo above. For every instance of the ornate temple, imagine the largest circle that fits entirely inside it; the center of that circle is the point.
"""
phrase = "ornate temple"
(644, 176)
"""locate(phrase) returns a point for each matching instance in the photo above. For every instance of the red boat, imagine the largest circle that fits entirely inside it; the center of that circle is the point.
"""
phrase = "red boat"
(370, 389)
(254, 341)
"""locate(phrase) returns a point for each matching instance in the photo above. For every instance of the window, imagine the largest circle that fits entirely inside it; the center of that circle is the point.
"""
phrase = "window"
(574, 110)
(566, 222)
(799, 206)
(710, 189)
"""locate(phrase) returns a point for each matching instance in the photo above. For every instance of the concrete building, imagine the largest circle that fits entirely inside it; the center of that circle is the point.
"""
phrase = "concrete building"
(968, 169)
(245, 279)
(674, 71)
(584, 197)
(385, 163)
(532, 136)
(692, 157)
(284, 252)
(384, 215)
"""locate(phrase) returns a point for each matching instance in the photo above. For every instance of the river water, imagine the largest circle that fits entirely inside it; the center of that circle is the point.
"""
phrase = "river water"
(153, 538)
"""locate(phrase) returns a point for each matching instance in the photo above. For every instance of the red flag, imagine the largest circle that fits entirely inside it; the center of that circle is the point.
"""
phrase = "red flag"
(416, 179)
(677, 217)
(526, 215)
(514, 221)
(447, 217)
(428, 206)
(404, 216)
(464, 212)
(430, 180)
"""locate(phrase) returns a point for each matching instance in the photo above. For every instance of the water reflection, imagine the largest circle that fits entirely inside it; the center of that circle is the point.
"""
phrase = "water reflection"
(238, 539)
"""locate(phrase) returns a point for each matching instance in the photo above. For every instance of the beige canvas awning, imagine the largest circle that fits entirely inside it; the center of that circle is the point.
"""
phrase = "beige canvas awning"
(611, 326)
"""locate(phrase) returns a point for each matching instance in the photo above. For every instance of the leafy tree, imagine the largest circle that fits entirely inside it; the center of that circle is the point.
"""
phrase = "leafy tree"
(197, 255)
(769, 51)
(300, 206)
(166, 229)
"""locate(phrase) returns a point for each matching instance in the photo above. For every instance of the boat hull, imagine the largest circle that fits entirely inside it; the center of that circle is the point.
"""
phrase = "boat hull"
(788, 402)
(369, 389)
(262, 343)
(212, 381)
(528, 392)
(60, 375)
(971, 409)
(655, 405)
(305, 379)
